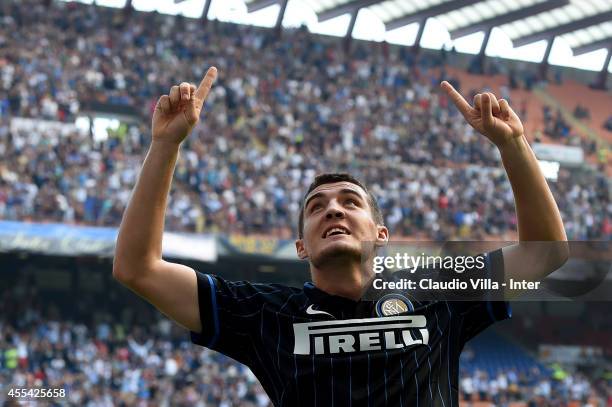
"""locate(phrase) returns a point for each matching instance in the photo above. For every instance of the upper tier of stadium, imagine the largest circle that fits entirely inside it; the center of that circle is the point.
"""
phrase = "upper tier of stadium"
(306, 106)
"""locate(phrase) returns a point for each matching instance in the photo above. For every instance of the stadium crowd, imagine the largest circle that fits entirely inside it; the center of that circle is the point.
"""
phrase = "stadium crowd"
(267, 130)
(533, 386)
(99, 362)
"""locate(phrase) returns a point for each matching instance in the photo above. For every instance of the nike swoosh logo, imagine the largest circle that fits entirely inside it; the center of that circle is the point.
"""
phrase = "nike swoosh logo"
(312, 311)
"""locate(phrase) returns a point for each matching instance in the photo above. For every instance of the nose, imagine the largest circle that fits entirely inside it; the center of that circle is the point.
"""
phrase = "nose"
(334, 211)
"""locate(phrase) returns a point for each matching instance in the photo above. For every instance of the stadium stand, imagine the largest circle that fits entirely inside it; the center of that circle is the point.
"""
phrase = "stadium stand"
(305, 107)
(490, 360)
(571, 94)
(276, 124)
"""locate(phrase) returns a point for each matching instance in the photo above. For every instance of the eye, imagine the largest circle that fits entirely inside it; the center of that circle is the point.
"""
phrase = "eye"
(351, 201)
(315, 207)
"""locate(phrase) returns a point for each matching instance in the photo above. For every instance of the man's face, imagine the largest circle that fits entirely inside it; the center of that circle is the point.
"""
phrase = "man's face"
(337, 219)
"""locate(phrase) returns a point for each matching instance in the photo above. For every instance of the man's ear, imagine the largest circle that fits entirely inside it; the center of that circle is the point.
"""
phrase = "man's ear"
(301, 249)
(383, 235)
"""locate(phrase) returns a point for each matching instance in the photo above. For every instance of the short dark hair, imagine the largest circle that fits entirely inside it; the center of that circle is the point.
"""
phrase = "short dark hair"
(330, 178)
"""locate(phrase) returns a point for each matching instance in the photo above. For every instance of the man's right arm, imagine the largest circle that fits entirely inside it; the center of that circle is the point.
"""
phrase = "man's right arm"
(138, 263)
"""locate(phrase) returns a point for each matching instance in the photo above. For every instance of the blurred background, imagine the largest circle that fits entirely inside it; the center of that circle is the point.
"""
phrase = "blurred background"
(304, 87)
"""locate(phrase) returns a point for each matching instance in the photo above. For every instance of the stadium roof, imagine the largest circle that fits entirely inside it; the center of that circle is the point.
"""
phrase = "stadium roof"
(576, 33)
(585, 24)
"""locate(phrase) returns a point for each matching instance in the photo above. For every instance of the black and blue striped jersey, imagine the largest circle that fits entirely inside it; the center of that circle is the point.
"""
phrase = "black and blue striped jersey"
(311, 348)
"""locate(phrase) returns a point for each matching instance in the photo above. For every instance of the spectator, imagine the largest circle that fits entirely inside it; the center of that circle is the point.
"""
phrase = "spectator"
(581, 112)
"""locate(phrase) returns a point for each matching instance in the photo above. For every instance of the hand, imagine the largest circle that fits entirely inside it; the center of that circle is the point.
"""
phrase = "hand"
(490, 117)
(177, 114)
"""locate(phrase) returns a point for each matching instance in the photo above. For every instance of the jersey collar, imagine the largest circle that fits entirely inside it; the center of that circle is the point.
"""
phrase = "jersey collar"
(320, 297)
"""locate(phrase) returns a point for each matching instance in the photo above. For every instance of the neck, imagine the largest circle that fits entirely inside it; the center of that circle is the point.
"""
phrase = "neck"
(348, 279)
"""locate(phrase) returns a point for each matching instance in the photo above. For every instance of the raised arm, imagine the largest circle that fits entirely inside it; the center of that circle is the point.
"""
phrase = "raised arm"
(138, 263)
(539, 219)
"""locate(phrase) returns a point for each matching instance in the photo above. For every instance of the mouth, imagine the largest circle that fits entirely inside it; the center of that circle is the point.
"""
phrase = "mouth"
(335, 231)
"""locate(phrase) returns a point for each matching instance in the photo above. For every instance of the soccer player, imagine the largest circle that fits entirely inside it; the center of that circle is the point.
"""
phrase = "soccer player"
(323, 344)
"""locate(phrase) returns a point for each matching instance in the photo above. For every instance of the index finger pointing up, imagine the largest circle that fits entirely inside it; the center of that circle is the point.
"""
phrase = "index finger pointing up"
(202, 91)
(463, 106)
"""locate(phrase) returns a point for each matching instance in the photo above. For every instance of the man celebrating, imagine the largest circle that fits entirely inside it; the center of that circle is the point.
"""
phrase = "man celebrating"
(323, 344)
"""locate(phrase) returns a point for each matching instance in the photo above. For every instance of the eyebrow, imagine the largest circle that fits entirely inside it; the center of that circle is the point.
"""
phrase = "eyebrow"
(342, 191)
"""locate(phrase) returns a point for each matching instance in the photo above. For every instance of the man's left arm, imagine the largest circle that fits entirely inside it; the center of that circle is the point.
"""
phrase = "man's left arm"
(542, 246)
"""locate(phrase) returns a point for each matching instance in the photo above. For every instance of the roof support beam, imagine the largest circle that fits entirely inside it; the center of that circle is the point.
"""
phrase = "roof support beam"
(417, 40)
(515, 15)
(128, 9)
(592, 46)
(345, 8)
(351, 26)
(603, 75)
(548, 49)
(349, 31)
(205, 11)
(485, 41)
(544, 63)
(428, 12)
(563, 29)
(260, 4)
(280, 16)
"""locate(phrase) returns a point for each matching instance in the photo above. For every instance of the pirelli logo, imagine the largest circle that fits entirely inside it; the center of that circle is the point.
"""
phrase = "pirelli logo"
(359, 335)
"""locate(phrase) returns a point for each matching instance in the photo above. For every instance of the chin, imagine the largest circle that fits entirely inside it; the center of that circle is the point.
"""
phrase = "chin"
(338, 251)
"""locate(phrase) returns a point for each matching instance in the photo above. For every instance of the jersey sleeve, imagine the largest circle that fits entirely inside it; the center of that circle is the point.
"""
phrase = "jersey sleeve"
(476, 316)
(229, 313)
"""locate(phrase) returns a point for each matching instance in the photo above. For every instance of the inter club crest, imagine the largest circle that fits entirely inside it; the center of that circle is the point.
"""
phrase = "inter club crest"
(393, 304)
